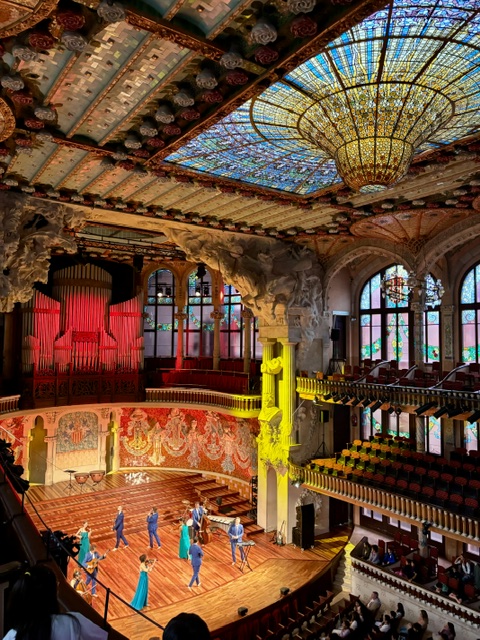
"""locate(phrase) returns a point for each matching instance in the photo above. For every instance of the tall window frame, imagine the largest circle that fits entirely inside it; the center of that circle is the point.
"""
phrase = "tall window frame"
(470, 315)
(160, 328)
(199, 324)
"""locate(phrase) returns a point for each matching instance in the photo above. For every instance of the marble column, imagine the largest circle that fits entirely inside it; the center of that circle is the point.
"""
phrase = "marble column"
(288, 391)
(217, 316)
(180, 316)
(247, 317)
(420, 433)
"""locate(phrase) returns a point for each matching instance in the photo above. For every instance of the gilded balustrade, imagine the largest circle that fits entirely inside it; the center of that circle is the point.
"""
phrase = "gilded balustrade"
(469, 401)
(9, 403)
(446, 522)
(238, 405)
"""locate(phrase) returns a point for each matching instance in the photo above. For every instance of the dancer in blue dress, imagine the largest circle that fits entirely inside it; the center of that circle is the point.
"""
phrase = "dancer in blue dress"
(140, 599)
(184, 541)
(83, 534)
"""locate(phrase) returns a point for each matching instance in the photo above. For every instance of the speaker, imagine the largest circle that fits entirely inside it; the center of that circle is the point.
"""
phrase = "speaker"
(335, 335)
(284, 591)
(242, 611)
(306, 525)
(324, 416)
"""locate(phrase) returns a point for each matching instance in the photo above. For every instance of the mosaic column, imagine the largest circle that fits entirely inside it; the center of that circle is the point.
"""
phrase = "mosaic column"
(217, 316)
(247, 317)
(180, 316)
(420, 433)
(447, 335)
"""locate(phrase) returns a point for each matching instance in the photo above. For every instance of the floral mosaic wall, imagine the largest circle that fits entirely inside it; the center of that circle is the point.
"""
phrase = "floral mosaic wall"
(77, 431)
(188, 438)
(11, 430)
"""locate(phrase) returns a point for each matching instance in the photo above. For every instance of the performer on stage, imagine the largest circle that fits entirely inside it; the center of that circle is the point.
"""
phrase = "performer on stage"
(118, 526)
(140, 599)
(235, 532)
(84, 536)
(92, 559)
(80, 586)
(152, 526)
(197, 515)
(196, 558)
(184, 541)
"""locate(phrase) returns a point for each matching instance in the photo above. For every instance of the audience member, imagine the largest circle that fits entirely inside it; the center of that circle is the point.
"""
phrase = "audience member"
(374, 604)
(384, 625)
(367, 548)
(465, 568)
(343, 631)
(186, 626)
(389, 558)
(448, 632)
(400, 612)
(34, 613)
(374, 556)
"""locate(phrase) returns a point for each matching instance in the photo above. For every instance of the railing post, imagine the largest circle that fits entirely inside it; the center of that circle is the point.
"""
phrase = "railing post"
(105, 612)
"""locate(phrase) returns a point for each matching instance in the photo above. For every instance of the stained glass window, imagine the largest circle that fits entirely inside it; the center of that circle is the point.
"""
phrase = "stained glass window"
(160, 326)
(199, 324)
(434, 435)
(470, 315)
(407, 72)
(371, 423)
(471, 436)
(232, 327)
(399, 424)
(431, 336)
(385, 321)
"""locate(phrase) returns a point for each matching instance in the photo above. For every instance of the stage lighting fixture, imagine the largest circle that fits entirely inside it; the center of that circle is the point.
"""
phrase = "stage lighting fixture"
(168, 292)
(440, 412)
(376, 406)
(327, 396)
(391, 410)
(284, 591)
(474, 417)
(425, 407)
(398, 410)
(242, 611)
(336, 397)
(367, 402)
(355, 402)
(346, 399)
(453, 411)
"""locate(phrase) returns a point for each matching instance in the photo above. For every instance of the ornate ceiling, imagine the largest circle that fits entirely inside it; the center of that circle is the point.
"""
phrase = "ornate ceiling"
(191, 111)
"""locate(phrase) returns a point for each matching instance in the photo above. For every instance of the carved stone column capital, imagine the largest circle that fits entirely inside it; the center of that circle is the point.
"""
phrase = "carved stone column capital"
(180, 316)
(217, 315)
(247, 314)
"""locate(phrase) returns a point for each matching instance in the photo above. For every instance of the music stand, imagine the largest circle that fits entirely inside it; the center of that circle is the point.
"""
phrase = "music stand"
(70, 487)
(246, 550)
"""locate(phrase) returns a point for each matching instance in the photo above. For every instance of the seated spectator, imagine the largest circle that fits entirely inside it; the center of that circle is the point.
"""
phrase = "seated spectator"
(442, 588)
(384, 625)
(186, 626)
(448, 632)
(411, 632)
(367, 548)
(400, 612)
(34, 611)
(374, 556)
(410, 570)
(374, 604)
(389, 557)
(423, 620)
(465, 568)
(355, 621)
(343, 631)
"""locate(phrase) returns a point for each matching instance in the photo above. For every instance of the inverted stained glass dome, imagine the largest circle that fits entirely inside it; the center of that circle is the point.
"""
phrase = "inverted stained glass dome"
(403, 81)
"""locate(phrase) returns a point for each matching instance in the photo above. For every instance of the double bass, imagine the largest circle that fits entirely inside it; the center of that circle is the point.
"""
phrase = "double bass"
(204, 533)
(81, 588)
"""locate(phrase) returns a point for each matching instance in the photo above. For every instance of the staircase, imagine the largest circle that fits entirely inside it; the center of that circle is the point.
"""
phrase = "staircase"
(343, 577)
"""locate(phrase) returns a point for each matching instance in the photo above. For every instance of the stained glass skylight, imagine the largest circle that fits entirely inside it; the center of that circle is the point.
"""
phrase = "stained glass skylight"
(404, 80)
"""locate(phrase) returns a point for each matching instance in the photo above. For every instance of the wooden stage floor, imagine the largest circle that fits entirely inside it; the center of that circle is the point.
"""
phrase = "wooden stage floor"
(223, 587)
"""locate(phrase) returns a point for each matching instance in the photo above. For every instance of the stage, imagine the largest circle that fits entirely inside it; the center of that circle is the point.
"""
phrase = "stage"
(223, 587)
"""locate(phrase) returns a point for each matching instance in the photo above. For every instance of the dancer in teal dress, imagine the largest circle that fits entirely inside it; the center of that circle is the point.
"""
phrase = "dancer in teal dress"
(184, 541)
(140, 599)
(84, 536)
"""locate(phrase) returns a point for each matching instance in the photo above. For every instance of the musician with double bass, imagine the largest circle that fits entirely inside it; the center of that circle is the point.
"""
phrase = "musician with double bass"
(197, 514)
(92, 559)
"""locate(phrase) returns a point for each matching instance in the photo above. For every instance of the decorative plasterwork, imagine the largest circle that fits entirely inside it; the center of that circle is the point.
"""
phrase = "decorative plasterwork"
(16, 16)
(7, 120)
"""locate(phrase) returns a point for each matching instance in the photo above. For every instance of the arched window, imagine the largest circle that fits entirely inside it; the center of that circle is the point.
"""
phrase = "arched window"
(385, 319)
(470, 315)
(232, 333)
(431, 319)
(160, 326)
(199, 325)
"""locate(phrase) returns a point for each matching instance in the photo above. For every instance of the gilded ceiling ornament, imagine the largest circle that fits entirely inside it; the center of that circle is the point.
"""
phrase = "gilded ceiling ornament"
(263, 32)
(45, 113)
(164, 114)
(14, 83)
(231, 59)
(44, 136)
(266, 55)
(111, 11)
(73, 41)
(7, 120)
(41, 40)
(184, 98)
(70, 20)
(301, 6)
(148, 128)
(23, 53)
(132, 142)
(303, 27)
(206, 79)
(16, 18)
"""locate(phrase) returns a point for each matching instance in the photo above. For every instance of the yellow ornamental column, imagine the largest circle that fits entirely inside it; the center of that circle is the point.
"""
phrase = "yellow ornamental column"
(286, 511)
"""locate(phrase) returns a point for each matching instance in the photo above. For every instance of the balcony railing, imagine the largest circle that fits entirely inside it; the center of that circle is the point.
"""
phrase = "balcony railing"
(467, 401)
(446, 522)
(247, 406)
(9, 403)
